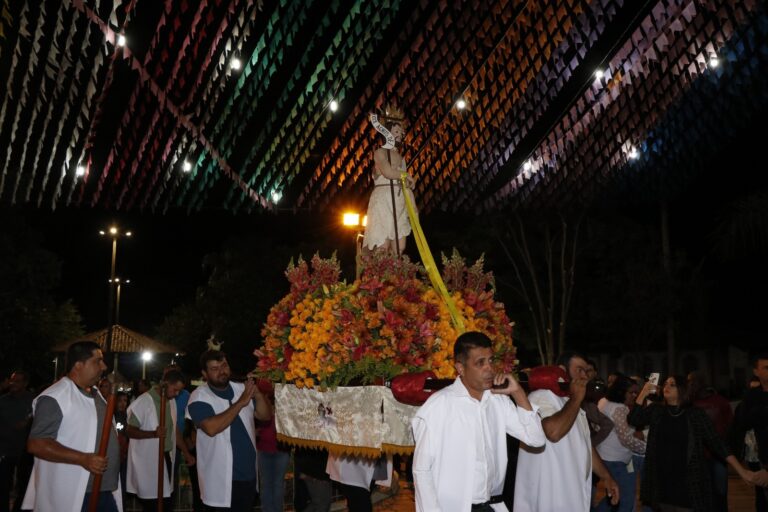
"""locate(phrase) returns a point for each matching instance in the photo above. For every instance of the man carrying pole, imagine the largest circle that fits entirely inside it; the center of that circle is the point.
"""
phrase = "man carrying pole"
(152, 430)
(68, 421)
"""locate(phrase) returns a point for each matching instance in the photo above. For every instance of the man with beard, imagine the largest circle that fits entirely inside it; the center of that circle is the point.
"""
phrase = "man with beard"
(66, 428)
(223, 413)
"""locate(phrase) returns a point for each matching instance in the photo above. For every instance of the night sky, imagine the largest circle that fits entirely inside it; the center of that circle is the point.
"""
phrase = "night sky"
(164, 257)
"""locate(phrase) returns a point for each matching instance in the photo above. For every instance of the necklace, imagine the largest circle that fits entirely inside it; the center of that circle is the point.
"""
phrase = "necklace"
(679, 411)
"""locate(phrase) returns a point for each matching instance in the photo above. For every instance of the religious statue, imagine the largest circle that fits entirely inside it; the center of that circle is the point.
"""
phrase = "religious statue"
(388, 223)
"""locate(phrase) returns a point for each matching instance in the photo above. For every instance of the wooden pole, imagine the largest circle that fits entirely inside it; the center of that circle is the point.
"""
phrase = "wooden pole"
(106, 428)
(161, 451)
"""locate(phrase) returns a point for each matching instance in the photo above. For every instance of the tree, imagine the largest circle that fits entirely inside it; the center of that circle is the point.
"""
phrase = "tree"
(244, 281)
(31, 318)
(543, 255)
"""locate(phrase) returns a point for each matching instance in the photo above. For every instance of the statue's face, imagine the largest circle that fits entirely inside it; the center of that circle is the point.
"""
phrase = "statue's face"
(397, 132)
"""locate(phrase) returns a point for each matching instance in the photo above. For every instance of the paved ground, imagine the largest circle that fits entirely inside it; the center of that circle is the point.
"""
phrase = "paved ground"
(741, 498)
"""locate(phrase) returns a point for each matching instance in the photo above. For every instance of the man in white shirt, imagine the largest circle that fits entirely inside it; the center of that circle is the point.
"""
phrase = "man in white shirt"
(66, 430)
(223, 413)
(461, 458)
(144, 431)
(558, 477)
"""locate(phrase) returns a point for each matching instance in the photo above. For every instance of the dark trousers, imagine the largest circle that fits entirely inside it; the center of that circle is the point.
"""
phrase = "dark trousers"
(197, 504)
(358, 499)
(106, 502)
(761, 497)
(243, 496)
(150, 504)
(22, 464)
(7, 469)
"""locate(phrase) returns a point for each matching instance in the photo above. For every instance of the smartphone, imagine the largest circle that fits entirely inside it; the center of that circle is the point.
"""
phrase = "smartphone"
(654, 378)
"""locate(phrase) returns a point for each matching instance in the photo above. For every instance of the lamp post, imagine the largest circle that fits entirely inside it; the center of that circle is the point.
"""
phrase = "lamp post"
(120, 284)
(114, 233)
(352, 220)
(145, 357)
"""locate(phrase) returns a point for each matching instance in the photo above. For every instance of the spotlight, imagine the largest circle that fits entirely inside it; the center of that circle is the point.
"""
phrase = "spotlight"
(334, 105)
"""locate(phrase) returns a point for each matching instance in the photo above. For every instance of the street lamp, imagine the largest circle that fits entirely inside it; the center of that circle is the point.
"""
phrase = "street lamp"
(145, 357)
(120, 284)
(352, 220)
(114, 233)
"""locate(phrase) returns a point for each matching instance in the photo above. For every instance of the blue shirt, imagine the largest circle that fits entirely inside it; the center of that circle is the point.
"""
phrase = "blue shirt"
(181, 406)
(243, 451)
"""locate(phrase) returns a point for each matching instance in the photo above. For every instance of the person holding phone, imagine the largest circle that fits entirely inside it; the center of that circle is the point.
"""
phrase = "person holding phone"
(460, 459)
(676, 476)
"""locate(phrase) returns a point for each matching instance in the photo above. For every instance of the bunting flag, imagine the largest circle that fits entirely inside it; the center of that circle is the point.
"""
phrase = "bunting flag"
(226, 104)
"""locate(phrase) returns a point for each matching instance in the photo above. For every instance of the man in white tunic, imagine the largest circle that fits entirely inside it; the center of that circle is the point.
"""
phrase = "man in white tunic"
(461, 457)
(558, 477)
(145, 434)
(66, 428)
(223, 413)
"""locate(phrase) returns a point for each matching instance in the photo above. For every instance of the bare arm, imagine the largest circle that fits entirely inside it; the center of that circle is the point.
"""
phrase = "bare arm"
(383, 165)
(182, 446)
(611, 487)
(216, 424)
(136, 433)
(558, 425)
(53, 451)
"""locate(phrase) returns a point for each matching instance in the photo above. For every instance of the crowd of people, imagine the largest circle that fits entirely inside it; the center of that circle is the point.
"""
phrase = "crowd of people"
(675, 441)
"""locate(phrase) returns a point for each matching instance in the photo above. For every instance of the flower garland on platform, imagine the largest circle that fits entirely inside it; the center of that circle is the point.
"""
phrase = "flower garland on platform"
(328, 333)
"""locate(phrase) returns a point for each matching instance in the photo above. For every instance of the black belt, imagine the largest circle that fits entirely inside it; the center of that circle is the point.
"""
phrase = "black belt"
(494, 499)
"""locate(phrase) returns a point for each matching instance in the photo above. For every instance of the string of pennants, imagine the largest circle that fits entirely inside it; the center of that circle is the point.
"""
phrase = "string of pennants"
(87, 122)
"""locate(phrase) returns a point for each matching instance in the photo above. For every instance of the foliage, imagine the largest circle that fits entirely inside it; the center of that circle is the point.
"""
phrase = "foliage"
(32, 319)
(543, 254)
(329, 333)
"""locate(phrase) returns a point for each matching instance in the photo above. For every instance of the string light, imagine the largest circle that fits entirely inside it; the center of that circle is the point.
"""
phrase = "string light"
(461, 104)
(714, 62)
(527, 165)
(334, 105)
(276, 195)
(186, 166)
(633, 153)
(121, 40)
(80, 170)
(235, 63)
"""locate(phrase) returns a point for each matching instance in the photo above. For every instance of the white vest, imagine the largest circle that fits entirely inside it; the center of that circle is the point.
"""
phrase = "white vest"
(141, 476)
(59, 487)
(214, 454)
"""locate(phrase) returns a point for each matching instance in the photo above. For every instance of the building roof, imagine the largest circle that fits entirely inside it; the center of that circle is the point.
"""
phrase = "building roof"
(123, 340)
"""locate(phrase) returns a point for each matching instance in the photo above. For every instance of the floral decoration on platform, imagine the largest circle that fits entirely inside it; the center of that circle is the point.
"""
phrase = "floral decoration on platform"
(328, 333)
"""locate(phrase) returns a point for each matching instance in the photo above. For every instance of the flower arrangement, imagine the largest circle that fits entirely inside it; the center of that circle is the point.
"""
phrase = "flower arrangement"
(328, 333)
